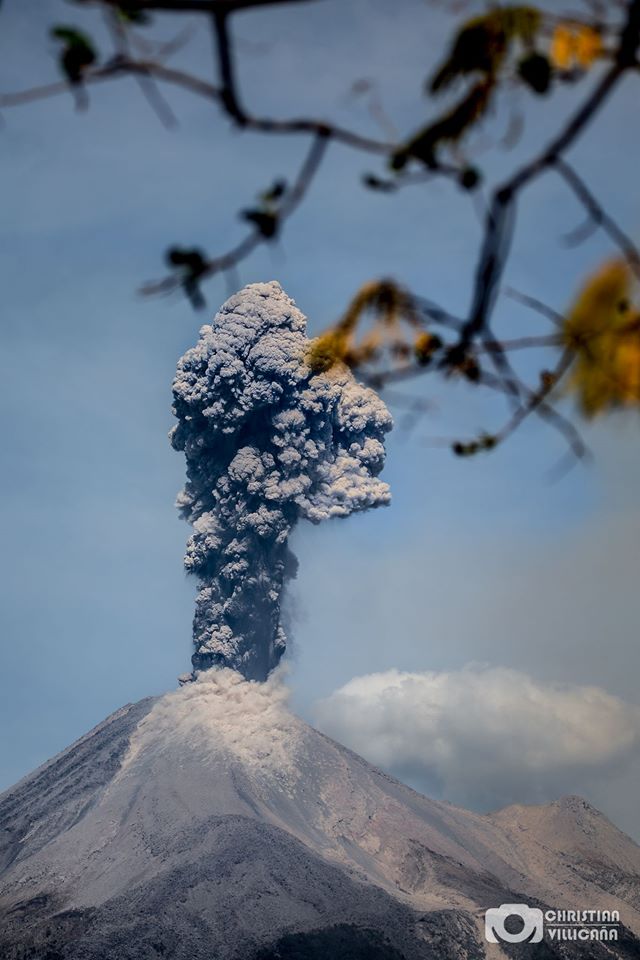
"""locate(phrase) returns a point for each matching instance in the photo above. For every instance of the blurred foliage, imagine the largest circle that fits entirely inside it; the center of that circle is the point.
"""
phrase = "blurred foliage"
(536, 71)
(603, 330)
(482, 44)
(386, 332)
(484, 443)
(575, 45)
(190, 264)
(392, 320)
(482, 48)
(449, 129)
(383, 329)
(506, 42)
(266, 217)
(77, 55)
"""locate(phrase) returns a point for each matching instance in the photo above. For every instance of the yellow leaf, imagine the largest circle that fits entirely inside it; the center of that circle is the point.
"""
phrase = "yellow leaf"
(574, 45)
(373, 325)
(603, 330)
(596, 309)
(561, 52)
(326, 351)
(424, 346)
(628, 369)
(588, 46)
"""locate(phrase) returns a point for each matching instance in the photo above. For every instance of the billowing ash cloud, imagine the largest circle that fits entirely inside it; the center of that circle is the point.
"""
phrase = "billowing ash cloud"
(267, 442)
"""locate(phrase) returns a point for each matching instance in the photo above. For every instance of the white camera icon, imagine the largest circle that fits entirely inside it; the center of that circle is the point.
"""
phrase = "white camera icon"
(532, 919)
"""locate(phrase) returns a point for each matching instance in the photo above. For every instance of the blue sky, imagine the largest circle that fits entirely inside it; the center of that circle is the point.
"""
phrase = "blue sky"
(484, 561)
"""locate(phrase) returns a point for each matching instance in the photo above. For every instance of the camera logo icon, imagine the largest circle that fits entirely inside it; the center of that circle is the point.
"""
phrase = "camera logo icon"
(532, 924)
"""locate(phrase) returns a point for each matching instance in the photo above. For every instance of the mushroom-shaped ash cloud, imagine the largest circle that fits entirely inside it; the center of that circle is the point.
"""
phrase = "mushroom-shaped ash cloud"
(268, 441)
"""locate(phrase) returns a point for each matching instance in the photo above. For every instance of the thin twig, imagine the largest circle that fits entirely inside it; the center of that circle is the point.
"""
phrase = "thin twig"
(199, 6)
(144, 80)
(599, 216)
(232, 258)
(533, 303)
(119, 67)
(115, 68)
(536, 402)
(525, 343)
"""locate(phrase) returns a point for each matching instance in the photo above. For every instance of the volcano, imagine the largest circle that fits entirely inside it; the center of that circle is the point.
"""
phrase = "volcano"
(211, 822)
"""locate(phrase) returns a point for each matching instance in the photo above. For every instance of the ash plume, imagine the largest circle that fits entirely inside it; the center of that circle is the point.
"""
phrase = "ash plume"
(268, 441)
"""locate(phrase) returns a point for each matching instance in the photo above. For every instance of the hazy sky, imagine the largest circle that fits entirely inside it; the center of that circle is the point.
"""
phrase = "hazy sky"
(484, 562)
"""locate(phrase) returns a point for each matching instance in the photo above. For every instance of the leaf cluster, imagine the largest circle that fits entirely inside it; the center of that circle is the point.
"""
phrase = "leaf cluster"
(603, 330)
(481, 51)
(390, 316)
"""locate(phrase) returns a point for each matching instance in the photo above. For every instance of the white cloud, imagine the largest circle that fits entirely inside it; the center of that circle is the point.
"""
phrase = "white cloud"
(483, 736)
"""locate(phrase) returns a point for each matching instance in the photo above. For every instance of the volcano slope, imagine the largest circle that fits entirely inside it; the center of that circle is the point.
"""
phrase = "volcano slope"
(213, 823)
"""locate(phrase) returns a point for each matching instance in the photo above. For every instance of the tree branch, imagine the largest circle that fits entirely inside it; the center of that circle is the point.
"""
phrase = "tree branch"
(599, 216)
(199, 6)
(234, 256)
(145, 82)
(474, 340)
(500, 219)
(122, 66)
(536, 403)
(228, 91)
(119, 66)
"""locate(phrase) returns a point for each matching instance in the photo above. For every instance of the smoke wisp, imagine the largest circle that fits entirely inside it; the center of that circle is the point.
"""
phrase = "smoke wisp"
(267, 442)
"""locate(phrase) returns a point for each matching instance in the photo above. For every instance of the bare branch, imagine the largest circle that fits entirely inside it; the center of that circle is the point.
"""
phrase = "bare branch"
(228, 91)
(228, 261)
(536, 403)
(581, 233)
(199, 6)
(120, 67)
(117, 67)
(537, 305)
(599, 216)
(526, 343)
(146, 83)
